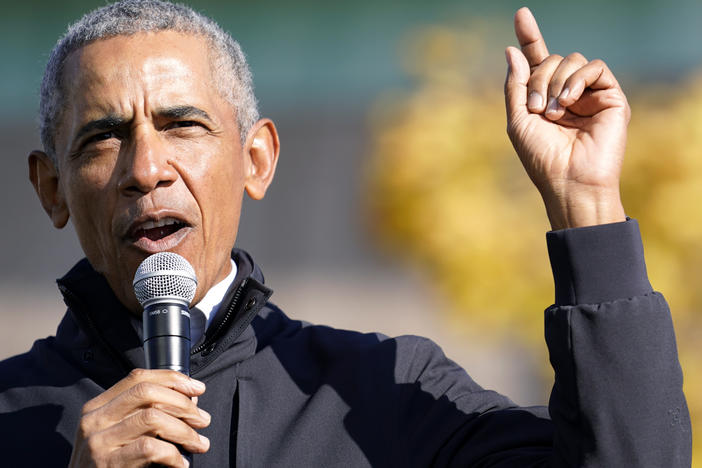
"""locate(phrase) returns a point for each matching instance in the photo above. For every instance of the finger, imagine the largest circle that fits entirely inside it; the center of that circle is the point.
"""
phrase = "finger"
(530, 39)
(147, 394)
(167, 378)
(537, 88)
(147, 450)
(595, 75)
(154, 423)
(568, 66)
(592, 102)
(140, 396)
(516, 84)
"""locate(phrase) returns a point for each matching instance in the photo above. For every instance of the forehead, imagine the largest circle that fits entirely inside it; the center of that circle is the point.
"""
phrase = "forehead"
(162, 65)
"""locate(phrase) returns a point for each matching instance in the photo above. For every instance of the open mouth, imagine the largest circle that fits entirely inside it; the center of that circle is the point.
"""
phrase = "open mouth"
(156, 230)
(157, 235)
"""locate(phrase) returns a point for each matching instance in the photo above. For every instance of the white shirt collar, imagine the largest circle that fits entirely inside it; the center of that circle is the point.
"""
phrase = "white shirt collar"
(209, 305)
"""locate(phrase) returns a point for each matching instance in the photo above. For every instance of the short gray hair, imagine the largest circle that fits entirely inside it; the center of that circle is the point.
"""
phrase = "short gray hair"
(124, 18)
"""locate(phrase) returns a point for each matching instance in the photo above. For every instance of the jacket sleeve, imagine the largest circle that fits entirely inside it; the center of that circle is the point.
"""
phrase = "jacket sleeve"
(617, 398)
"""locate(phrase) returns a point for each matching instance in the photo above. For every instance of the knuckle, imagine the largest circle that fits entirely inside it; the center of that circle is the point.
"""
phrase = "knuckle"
(576, 57)
(94, 445)
(147, 446)
(150, 417)
(174, 374)
(599, 63)
(536, 82)
(191, 434)
(84, 427)
(137, 374)
(555, 84)
(87, 407)
(143, 391)
(153, 450)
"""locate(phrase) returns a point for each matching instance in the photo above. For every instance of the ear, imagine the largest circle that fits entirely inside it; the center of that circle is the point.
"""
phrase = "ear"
(45, 179)
(260, 157)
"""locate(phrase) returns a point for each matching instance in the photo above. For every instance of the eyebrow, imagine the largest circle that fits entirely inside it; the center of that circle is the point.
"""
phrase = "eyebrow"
(108, 122)
(179, 112)
(113, 121)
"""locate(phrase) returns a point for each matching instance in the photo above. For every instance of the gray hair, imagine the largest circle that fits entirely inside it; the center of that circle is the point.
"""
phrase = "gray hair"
(124, 18)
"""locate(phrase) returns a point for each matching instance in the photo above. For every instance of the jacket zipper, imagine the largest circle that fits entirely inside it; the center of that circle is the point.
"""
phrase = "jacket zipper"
(232, 306)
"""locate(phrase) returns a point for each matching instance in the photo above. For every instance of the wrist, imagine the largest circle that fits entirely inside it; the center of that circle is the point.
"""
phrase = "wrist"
(583, 206)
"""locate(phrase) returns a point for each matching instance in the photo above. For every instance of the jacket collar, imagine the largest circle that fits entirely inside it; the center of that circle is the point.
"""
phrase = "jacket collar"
(108, 332)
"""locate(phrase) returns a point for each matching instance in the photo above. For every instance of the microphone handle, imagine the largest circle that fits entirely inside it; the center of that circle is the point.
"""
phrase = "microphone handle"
(167, 342)
(167, 336)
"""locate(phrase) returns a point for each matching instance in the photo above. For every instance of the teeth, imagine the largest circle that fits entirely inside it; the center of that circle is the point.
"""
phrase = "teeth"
(160, 223)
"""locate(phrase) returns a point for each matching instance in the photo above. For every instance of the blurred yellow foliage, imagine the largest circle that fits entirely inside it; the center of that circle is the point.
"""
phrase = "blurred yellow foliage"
(446, 192)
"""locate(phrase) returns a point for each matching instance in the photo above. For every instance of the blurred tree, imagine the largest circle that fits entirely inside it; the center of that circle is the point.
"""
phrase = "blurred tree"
(446, 193)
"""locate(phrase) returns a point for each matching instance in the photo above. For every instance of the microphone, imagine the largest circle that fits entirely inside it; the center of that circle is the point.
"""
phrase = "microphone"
(164, 285)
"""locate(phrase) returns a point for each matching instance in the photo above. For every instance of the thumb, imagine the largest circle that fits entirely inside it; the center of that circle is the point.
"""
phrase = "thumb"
(516, 84)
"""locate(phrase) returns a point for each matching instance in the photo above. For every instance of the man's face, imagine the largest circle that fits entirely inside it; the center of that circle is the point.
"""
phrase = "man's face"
(149, 157)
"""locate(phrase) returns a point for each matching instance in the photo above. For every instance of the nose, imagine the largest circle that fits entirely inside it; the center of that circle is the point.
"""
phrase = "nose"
(146, 164)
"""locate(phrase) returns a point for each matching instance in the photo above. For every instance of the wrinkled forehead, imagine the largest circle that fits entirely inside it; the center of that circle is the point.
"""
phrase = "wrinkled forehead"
(122, 75)
(151, 59)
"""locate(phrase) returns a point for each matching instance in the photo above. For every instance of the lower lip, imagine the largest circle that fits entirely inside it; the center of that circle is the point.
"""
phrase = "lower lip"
(161, 245)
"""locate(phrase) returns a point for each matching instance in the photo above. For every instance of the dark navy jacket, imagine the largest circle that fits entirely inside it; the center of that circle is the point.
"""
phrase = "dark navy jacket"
(283, 393)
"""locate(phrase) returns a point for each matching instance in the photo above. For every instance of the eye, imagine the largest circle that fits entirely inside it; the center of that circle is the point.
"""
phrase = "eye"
(101, 137)
(185, 123)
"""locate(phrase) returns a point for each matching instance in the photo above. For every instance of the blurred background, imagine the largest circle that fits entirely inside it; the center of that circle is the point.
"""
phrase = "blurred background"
(399, 205)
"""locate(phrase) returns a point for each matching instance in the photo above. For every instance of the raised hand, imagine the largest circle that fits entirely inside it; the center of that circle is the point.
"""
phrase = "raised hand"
(140, 420)
(567, 119)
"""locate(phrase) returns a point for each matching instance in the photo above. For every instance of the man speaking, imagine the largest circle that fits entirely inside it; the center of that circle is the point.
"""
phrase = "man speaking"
(151, 136)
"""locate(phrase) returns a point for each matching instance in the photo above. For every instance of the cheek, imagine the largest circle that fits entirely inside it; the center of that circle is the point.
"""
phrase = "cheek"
(94, 172)
(91, 205)
(219, 192)
(224, 196)
(87, 192)
(214, 171)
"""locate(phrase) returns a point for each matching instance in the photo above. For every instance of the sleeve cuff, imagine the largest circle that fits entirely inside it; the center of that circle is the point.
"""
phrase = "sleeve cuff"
(598, 263)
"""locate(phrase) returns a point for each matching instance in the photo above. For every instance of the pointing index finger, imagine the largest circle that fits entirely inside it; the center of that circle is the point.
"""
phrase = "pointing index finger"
(529, 37)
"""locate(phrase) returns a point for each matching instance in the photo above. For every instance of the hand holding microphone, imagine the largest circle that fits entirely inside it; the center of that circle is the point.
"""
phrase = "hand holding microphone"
(144, 417)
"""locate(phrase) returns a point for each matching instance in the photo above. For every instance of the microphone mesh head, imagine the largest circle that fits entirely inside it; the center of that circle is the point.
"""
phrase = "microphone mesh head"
(164, 275)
